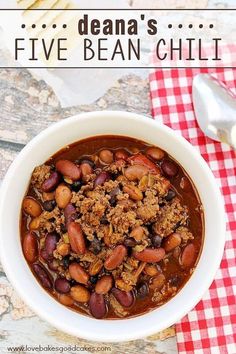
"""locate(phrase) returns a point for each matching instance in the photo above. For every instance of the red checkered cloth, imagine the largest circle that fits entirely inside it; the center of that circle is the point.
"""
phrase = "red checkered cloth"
(211, 326)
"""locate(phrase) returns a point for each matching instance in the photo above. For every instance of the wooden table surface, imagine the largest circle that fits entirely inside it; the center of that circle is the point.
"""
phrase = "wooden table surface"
(27, 107)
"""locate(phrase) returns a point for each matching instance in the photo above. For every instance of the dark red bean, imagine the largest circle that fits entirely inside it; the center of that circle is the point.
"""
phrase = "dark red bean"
(169, 168)
(42, 275)
(97, 305)
(51, 242)
(125, 298)
(51, 182)
(62, 285)
(129, 242)
(101, 178)
(142, 290)
(70, 214)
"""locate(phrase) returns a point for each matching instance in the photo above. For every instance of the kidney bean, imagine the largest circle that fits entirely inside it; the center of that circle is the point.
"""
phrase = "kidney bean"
(170, 195)
(141, 159)
(142, 290)
(151, 270)
(137, 233)
(63, 196)
(80, 294)
(95, 267)
(157, 282)
(172, 241)
(125, 298)
(101, 178)
(133, 191)
(63, 249)
(121, 154)
(169, 168)
(66, 300)
(31, 207)
(116, 257)
(78, 273)
(76, 238)
(51, 182)
(156, 241)
(97, 305)
(30, 246)
(129, 242)
(136, 172)
(42, 275)
(106, 156)
(104, 284)
(62, 285)
(150, 255)
(188, 256)
(155, 153)
(68, 169)
(51, 243)
(49, 205)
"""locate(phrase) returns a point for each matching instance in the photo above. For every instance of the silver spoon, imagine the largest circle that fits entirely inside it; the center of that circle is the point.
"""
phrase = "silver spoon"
(215, 109)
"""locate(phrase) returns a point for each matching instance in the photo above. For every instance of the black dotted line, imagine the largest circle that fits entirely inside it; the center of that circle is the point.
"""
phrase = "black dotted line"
(44, 25)
(190, 25)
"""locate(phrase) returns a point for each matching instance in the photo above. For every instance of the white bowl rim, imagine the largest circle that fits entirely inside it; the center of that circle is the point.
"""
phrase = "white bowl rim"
(108, 334)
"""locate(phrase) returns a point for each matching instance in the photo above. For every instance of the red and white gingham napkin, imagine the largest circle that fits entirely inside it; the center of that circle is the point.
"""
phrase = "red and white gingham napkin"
(211, 326)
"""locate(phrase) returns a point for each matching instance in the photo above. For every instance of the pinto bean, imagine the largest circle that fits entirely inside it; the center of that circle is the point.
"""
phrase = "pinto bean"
(121, 154)
(157, 282)
(150, 255)
(140, 159)
(101, 178)
(78, 273)
(133, 191)
(80, 294)
(169, 168)
(151, 270)
(51, 182)
(62, 285)
(106, 156)
(97, 305)
(136, 172)
(66, 300)
(42, 275)
(155, 153)
(116, 257)
(30, 247)
(76, 238)
(63, 196)
(188, 256)
(125, 298)
(95, 267)
(104, 284)
(63, 249)
(68, 169)
(31, 207)
(86, 169)
(172, 241)
(137, 233)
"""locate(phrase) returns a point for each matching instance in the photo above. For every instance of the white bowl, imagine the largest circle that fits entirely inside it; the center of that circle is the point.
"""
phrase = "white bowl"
(13, 190)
